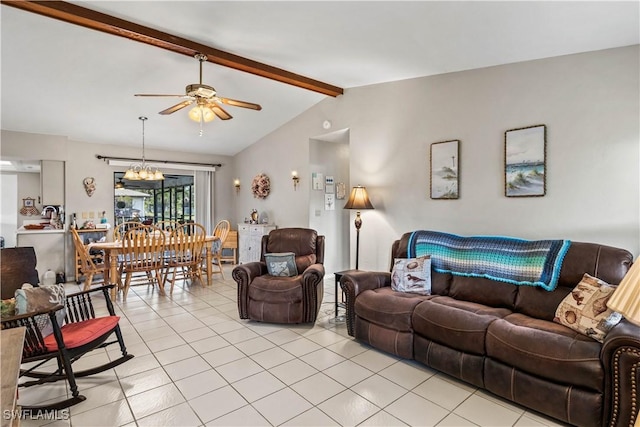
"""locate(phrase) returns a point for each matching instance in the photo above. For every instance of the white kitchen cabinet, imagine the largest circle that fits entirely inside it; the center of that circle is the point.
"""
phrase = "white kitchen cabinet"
(52, 182)
(250, 241)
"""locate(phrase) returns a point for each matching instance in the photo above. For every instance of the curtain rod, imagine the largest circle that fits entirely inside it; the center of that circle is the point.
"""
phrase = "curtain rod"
(131, 159)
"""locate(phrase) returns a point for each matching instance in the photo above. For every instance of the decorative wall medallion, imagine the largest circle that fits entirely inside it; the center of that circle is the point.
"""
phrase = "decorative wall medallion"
(261, 186)
(89, 185)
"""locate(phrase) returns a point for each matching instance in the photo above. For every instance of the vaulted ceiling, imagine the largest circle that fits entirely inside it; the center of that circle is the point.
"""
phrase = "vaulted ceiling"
(63, 79)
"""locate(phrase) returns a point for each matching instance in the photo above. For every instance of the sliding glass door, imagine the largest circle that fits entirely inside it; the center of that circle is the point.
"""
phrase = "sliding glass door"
(151, 201)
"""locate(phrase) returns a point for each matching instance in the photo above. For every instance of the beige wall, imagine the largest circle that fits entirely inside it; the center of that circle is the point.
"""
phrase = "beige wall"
(589, 103)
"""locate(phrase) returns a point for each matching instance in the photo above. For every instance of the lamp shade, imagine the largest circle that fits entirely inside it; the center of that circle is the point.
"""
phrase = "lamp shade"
(626, 298)
(358, 199)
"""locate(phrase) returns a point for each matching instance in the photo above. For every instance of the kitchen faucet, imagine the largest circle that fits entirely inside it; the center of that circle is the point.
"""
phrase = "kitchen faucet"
(46, 209)
(55, 220)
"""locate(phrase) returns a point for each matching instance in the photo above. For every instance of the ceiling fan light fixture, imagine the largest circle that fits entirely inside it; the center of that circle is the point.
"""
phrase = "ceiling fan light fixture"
(201, 113)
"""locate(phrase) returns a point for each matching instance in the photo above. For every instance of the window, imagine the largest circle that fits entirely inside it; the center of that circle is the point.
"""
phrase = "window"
(152, 201)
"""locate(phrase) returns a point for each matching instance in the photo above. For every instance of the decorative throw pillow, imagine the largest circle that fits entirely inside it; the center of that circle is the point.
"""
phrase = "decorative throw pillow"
(281, 264)
(412, 275)
(30, 299)
(585, 309)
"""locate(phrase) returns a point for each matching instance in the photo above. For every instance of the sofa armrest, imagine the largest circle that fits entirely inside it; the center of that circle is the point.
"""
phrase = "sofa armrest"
(244, 274)
(356, 282)
(312, 291)
(620, 356)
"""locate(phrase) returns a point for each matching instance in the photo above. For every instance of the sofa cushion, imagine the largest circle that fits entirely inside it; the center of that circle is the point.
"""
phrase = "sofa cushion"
(547, 350)
(585, 309)
(484, 291)
(388, 308)
(276, 289)
(461, 325)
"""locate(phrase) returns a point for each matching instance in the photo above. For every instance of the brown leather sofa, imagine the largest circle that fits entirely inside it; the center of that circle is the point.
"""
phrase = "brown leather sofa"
(501, 337)
(276, 299)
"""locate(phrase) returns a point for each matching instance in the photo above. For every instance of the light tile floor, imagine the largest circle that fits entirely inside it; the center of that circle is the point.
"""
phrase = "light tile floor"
(197, 364)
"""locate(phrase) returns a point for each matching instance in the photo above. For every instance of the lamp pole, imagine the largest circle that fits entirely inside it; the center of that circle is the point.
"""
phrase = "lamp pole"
(358, 224)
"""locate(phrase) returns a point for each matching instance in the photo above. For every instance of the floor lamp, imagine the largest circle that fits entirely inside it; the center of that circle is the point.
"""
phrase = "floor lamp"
(358, 200)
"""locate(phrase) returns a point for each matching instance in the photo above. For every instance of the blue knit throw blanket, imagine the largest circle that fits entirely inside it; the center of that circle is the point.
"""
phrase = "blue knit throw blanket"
(506, 259)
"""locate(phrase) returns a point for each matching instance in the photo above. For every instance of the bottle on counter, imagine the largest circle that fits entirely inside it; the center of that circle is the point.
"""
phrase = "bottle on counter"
(49, 278)
(73, 221)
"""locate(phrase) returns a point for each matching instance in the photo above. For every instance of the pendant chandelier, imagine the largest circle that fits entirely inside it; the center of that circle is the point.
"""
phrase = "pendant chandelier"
(143, 171)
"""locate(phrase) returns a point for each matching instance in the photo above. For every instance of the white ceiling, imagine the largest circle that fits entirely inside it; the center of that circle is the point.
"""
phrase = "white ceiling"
(62, 79)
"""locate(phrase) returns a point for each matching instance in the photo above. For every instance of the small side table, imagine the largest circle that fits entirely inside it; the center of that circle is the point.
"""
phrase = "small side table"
(338, 275)
(12, 341)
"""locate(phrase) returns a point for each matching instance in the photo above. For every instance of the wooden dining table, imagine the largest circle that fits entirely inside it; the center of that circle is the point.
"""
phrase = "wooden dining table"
(112, 250)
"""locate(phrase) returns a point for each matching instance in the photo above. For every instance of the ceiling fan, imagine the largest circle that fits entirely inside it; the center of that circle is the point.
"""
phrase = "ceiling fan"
(207, 102)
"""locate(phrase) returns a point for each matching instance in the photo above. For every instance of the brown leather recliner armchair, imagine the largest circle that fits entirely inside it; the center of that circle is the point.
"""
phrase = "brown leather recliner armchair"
(276, 299)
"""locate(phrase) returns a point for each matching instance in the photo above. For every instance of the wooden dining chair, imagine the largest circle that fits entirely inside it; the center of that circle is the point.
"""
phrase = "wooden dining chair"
(120, 229)
(167, 225)
(221, 231)
(89, 267)
(118, 233)
(143, 250)
(183, 259)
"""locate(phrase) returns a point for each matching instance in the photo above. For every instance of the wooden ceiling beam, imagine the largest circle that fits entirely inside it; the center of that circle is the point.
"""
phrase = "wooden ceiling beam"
(88, 18)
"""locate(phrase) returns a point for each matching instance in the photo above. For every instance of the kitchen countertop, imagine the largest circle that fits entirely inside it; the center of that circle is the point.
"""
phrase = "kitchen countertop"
(46, 230)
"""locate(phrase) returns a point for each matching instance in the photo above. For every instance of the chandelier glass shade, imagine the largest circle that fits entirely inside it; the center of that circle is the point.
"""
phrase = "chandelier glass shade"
(201, 113)
(142, 171)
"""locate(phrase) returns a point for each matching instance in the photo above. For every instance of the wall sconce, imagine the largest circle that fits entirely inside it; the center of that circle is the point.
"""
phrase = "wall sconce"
(296, 179)
(236, 183)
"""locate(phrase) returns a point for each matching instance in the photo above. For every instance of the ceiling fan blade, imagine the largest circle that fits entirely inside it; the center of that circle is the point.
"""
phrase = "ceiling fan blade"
(219, 111)
(243, 104)
(176, 107)
(155, 94)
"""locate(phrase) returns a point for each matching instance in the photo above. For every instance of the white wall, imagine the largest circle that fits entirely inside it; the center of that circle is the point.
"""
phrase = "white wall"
(9, 208)
(589, 103)
(330, 159)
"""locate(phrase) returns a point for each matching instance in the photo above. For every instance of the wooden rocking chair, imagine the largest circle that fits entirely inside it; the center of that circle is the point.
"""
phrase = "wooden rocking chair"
(81, 333)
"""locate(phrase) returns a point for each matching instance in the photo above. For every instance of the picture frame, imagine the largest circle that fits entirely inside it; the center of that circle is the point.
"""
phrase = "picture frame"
(444, 159)
(28, 202)
(317, 181)
(525, 161)
(341, 190)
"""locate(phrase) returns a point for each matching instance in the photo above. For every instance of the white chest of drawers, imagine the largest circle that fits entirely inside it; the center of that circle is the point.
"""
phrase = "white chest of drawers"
(250, 241)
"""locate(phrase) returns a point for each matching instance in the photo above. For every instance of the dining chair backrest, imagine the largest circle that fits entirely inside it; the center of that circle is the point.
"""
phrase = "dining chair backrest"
(186, 243)
(120, 230)
(168, 225)
(143, 248)
(221, 231)
(83, 252)
(88, 267)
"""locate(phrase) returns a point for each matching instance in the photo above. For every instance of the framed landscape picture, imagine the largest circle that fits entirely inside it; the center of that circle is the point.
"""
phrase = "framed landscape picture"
(444, 170)
(525, 161)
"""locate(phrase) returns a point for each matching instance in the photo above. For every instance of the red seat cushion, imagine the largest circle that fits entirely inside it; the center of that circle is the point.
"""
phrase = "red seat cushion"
(81, 333)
